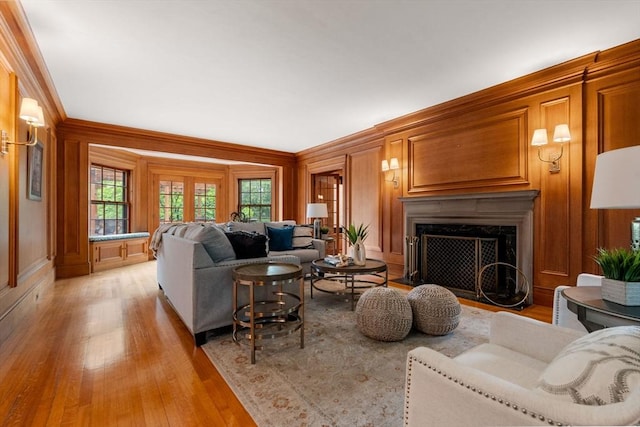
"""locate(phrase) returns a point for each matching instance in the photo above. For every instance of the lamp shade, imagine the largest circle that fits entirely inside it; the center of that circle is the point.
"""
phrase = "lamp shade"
(29, 110)
(40, 121)
(561, 133)
(317, 210)
(616, 180)
(385, 166)
(539, 137)
(393, 164)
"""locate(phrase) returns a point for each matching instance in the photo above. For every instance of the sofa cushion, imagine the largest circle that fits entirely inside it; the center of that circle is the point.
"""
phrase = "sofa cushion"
(599, 368)
(280, 239)
(250, 227)
(248, 245)
(302, 237)
(280, 224)
(305, 255)
(212, 239)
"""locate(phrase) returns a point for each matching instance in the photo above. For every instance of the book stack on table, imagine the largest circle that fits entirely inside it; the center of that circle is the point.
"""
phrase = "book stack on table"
(338, 260)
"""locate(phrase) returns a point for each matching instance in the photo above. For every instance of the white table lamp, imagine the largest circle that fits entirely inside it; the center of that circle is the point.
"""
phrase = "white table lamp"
(317, 211)
(616, 184)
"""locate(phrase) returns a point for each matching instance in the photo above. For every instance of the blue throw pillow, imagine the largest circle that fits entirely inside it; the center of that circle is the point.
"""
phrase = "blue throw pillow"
(280, 239)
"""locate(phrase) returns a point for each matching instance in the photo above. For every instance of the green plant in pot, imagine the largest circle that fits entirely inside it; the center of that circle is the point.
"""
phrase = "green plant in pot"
(357, 236)
(621, 270)
(353, 233)
(324, 230)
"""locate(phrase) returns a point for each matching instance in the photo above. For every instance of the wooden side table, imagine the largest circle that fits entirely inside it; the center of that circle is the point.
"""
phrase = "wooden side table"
(330, 244)
(272, 317)
(594, 312)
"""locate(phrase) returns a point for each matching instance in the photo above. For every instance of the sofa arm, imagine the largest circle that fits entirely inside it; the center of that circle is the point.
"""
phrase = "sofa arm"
(526, 335)
(321, 246)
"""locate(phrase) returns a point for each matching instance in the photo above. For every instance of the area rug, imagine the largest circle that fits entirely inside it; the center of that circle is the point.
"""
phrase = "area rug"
(341, 377)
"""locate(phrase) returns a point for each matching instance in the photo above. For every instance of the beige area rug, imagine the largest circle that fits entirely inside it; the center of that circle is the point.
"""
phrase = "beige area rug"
(341, 377)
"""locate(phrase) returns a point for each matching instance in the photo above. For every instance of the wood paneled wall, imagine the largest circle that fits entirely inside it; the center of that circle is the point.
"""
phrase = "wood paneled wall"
(27, 227)
(481, 143)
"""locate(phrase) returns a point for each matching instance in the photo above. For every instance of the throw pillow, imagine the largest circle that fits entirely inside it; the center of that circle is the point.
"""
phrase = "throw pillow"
(248, 245)
(302, 237)
(600, 368)
(250, 227)
(213, 240)
(280, 239)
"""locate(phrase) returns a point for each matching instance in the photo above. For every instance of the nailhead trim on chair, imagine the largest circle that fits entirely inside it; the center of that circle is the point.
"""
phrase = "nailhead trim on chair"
(470, 387)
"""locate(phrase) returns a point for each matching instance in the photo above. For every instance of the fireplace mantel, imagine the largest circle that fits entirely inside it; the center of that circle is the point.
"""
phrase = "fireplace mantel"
(508, 208)
(478, 203)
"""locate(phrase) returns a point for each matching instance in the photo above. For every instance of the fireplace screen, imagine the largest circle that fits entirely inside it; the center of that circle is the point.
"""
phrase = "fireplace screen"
(454, 261)
(470, 267)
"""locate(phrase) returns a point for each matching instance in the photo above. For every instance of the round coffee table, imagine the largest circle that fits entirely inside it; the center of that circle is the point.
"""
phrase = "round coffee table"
(268, 318)
(349, 280)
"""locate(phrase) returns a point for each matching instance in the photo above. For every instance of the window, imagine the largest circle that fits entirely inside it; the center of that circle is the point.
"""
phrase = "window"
(255, 199)
(109, 201)
(171, 201)
(204, 202)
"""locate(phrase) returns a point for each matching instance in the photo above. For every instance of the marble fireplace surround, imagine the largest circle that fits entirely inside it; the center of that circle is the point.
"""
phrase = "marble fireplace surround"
(508, 208)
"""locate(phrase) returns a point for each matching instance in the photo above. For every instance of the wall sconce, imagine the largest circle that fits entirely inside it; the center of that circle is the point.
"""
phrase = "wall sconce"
(561, 135)
(317, 211)
(392, 165)
(31, 112)
(615, 186)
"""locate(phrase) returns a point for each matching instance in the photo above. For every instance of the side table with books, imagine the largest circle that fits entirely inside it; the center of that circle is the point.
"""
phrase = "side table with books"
(336, 277)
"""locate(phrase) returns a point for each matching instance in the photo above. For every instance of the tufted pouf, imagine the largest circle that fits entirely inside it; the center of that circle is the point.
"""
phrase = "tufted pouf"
(436, 310)
(383, 314)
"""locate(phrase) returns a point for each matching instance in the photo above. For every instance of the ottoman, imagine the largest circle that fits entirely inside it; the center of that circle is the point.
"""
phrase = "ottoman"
(383, 314)
(436, 310)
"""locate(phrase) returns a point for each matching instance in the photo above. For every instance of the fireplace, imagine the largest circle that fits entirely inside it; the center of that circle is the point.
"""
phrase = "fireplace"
(480, 246)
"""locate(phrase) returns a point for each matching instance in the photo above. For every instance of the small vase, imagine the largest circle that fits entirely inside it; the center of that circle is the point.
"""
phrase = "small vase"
(358, 253)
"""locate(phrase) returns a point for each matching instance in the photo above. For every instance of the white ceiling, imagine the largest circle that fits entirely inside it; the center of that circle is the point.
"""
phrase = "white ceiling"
(290, 75)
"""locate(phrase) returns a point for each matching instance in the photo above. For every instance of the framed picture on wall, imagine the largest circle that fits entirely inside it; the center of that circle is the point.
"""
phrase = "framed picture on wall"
(35, 160)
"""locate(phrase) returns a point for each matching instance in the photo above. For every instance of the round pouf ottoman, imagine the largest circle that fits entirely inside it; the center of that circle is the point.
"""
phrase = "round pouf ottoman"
(383, 314)
(436, 310)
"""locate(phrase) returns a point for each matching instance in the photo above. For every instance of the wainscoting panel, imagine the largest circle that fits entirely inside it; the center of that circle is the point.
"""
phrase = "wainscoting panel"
(365, 190)
(488, 151)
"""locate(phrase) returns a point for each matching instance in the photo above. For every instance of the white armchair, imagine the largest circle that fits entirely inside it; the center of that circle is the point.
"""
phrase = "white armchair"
(496, 383)
(562, 316)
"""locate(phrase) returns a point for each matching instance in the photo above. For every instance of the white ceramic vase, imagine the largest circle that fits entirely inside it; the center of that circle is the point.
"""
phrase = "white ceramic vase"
(358, 253)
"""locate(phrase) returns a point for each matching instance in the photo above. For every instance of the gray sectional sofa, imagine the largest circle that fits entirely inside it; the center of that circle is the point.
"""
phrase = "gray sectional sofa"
(195, 263)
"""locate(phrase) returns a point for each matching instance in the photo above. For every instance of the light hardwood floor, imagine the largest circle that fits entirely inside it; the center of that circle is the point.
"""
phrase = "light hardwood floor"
(107, 349)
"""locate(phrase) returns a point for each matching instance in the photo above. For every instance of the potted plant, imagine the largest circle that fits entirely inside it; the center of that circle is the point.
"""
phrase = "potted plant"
(357, 236)
(621, 270)
(354, 233)
(324, 231)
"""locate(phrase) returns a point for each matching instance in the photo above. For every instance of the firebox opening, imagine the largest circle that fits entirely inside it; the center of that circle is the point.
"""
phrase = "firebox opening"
(456, 256)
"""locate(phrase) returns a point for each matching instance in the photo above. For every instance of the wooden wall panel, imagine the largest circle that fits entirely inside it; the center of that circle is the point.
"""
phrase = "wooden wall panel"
(456, 155)
(73, 208)
(6, 123)
(554, 190)
(364, 193)
(32, 227)
(618, 113)
(396, 210)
